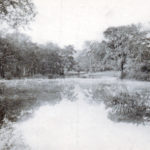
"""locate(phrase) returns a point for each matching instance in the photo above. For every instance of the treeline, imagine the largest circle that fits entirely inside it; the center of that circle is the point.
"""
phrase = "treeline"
(125, 49)
(20, 57)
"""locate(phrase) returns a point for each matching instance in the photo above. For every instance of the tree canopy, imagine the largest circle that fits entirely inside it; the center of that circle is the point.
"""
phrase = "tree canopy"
(17, 12)
(125, 48)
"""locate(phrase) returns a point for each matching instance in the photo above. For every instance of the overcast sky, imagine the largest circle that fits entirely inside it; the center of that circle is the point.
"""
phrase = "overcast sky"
(74, 21)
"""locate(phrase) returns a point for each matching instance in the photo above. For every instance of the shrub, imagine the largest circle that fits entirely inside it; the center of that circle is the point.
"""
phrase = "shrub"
(2, 88)
(138, 75)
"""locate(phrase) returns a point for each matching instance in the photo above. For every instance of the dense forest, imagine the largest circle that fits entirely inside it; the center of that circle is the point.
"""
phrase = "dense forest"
(19, 57)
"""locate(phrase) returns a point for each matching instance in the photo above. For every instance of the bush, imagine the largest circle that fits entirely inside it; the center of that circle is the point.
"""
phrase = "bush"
(140, 76)
(138, 71)
(8, 76)
(2, 88)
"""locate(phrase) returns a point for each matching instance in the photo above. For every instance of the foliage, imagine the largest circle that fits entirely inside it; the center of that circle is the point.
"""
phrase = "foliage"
(17, 12)
(125, 49)
(19, 57)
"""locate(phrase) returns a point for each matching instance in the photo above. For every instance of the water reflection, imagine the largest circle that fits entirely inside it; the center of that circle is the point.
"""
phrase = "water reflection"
(78, 125)
(70, 114)
(20, 101)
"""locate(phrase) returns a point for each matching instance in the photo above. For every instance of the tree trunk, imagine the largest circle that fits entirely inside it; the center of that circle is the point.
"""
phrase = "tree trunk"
(123, 61)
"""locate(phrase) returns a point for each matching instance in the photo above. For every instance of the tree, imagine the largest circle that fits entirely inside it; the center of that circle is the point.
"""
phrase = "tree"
(125, 48)
(17, 12)
(8, 59)
(67, 54)
(20, 57)
(83, 61)
(96, 57)
(125, 44)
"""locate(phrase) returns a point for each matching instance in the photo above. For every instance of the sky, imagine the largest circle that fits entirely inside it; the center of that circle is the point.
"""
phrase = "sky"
(75, 21)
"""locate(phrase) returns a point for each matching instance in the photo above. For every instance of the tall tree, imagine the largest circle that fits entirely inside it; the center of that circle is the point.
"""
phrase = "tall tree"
(67, 54)
(125, 44)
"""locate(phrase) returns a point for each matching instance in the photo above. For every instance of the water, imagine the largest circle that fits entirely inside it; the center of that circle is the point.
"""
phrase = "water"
(75, 119)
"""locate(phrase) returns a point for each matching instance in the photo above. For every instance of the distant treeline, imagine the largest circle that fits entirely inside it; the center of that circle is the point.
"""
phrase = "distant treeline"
(19, 57)
(125, 49)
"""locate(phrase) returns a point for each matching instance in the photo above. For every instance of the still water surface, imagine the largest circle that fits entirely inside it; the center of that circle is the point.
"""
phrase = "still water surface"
(71, 116)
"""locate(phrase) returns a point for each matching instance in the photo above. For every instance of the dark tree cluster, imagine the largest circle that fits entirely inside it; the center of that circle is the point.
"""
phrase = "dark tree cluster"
(19, 57)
